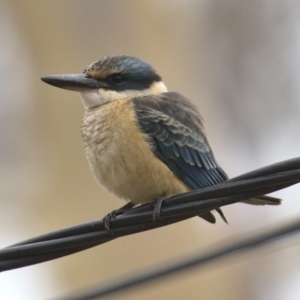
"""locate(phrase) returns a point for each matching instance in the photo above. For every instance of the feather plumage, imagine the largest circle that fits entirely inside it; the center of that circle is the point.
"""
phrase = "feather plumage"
(177, 136)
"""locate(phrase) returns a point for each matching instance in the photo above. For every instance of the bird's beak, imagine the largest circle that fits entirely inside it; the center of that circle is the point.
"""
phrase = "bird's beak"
(73, 82)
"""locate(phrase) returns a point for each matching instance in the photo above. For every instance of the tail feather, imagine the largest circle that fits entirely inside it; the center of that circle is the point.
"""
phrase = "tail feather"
(263, 200)
(209, 217)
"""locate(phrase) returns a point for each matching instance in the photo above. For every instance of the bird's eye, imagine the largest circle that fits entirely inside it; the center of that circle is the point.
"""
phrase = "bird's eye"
(117, 79)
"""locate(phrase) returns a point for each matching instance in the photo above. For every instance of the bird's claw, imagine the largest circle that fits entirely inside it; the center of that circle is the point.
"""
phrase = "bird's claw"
(157, 203)
(107, 219)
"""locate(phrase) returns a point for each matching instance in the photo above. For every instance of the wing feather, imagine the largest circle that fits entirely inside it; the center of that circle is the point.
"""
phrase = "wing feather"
(177, 136)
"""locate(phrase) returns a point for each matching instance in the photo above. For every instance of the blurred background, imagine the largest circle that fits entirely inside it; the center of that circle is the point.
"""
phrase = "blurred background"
(238, 60)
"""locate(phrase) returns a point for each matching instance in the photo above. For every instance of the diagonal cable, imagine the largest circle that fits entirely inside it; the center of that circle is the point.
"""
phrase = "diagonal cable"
(177, 208)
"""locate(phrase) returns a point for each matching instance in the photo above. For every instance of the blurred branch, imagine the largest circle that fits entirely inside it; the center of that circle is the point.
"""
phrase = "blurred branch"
(177, 208)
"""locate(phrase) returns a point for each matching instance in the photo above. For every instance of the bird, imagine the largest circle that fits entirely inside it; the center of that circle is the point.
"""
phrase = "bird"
(142, 142)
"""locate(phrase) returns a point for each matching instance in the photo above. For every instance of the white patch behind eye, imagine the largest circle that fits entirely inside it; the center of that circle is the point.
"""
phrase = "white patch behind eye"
(93, 98)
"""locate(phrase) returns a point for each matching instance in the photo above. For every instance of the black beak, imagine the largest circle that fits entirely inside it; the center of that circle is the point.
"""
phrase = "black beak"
(73, 82)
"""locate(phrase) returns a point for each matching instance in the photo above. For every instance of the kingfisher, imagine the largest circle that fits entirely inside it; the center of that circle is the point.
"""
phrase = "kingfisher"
(142, 143)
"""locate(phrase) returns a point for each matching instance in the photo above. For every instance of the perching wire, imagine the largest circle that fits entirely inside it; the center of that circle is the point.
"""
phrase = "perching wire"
(177, 208)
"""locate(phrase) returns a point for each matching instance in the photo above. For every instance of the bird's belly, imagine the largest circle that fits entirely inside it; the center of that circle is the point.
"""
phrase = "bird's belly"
(134, 177)
(122, 161)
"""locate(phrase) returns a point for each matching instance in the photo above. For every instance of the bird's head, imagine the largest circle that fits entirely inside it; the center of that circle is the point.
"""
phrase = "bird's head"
(109, 79)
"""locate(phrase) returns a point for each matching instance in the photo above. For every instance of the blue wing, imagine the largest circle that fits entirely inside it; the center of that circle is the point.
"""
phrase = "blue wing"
(178, 139)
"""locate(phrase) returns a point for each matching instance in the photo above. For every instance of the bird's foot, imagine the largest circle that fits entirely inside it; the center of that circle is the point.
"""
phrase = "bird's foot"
(157, 203)
(107, 219)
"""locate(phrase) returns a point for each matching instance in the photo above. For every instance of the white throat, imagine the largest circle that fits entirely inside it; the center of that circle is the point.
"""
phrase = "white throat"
(93, 98)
